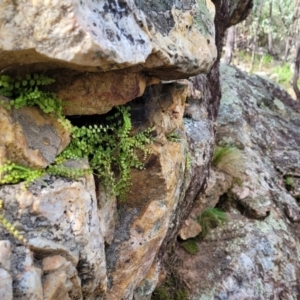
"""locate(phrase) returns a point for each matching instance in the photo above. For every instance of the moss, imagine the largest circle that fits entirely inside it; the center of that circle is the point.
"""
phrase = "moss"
(163, 293)
(237, 180)
(190, 246)
(171, 289)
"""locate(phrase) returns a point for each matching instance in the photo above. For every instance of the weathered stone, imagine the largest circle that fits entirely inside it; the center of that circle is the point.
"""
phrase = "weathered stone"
(97, 93)
(255, 254)
(239, 11)
(144, 218)
(61, 280)
(162, 107)
(6, 292)
(5, 255)
(145, 288)
(59, 217)
(169, 39)
(190, 229)
(107, 212)
(143, 224)
(30, 137)
(27, 277)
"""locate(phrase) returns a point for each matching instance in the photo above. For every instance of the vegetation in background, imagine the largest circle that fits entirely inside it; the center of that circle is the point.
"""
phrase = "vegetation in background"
(209, 219)
(270, 37)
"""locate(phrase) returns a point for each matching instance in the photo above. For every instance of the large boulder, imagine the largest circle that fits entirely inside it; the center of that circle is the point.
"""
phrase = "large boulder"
(255, 255)
(80, 242)
(168, 39)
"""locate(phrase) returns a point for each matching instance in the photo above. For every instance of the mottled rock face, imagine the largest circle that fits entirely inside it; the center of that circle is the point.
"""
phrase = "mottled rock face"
(82, 243)
(255, 255)
(98, 93)
(169, 39)
(238, 11)
(30, 137)
(57, 217)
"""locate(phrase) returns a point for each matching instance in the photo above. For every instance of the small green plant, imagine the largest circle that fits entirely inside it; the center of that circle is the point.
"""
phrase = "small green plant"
(209, 219)
(170, 290)
(289, 183)
(173, 137)
(190, 246)
(188, 160)
(25, 91)
(10, 228)
(229, 160)
(14, 173)
(111, 149)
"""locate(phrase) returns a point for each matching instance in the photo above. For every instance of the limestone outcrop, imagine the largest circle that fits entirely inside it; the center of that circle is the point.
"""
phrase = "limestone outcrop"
(255, 254)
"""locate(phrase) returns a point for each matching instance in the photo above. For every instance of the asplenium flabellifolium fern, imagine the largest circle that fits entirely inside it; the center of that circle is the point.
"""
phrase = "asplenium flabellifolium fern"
(111, 149)
(25, 91)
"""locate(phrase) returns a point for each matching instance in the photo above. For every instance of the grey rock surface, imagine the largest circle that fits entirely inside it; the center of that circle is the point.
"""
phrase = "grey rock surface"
(255, 255)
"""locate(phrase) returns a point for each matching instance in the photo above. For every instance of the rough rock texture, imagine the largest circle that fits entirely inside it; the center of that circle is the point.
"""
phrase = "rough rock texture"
(30, 137)
(57, 217)
(81, 243)
(255, 255)
(94, 93)
(238, 11)
(144, 218)
(169, 39)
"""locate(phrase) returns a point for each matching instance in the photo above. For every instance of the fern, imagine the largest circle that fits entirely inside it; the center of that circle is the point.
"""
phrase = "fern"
(111, 150)
(10, 227)
(24, 91)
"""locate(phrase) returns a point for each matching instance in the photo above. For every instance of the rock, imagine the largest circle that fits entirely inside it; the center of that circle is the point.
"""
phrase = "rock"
(144, 219)
(164, 111)
(190, 229)
(125, 46)
(146, 287)
(61, 280)
(6, 292)
(170, 40)
(238, 11)
(32, 138)
(107, 212)
(97, 93)
(5, 254)
(255, 253)
(59, 217)
(27, 276)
